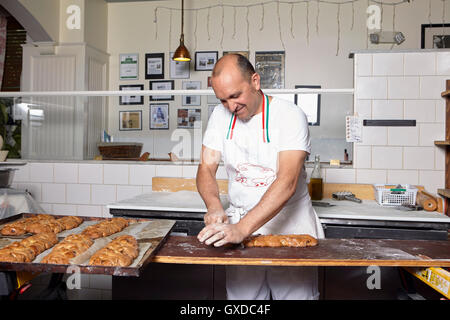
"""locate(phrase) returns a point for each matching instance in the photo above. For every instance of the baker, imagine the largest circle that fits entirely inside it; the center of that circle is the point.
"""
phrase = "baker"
(263, 142)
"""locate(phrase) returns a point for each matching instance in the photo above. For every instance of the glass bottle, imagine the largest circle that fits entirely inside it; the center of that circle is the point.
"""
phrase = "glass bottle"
(316, 183)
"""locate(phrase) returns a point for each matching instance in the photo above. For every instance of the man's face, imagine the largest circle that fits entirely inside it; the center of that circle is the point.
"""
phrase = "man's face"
(237, 94)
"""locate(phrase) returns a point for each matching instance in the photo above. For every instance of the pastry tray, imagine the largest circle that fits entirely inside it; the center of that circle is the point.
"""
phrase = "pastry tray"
(150, 234)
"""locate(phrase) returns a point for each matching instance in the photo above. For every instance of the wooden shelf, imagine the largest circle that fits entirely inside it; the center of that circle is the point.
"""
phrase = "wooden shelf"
(445, 93)
(442, 143)
(444, 192)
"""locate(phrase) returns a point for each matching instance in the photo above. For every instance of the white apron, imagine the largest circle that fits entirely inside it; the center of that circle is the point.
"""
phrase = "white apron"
(250, 155)
(251, 158)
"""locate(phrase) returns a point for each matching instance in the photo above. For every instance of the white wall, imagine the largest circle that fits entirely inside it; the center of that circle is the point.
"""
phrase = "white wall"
(402, 86)
(312, 56)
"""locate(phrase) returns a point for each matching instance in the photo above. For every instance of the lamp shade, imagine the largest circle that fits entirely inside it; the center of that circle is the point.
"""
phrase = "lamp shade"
(182, 53)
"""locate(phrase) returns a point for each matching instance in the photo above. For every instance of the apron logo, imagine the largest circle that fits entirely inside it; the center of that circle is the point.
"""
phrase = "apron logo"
(251, 175)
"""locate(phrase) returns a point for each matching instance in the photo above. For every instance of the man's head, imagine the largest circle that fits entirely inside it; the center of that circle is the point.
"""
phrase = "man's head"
(237, 86)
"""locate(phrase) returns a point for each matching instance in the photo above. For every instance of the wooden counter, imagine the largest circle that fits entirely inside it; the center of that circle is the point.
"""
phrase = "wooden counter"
(329, 252)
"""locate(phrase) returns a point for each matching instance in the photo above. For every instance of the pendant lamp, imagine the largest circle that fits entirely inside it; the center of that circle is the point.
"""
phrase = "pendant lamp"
(182, 53)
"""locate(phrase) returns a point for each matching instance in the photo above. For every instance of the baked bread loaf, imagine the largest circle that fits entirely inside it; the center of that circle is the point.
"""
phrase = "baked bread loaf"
(291, 240)
(69, 248)
(27, 249)
(70, 222)
(41, 223)
(19, 227)
(105, 228)
(120, 252)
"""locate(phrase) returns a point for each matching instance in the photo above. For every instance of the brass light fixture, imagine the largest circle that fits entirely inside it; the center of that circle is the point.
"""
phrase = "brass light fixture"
(182, 53)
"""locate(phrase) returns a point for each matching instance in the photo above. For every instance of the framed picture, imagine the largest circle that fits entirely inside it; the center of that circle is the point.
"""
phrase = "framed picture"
(310, 104)
(189, 118)
(242, 53)
(435, 36)
(154, 66)
(179, 69)
(270, 67)
(125, 100)
(205, 60)
(130, 120)
(159, 116)
(129, 66)
(192, 100)
(161, 85)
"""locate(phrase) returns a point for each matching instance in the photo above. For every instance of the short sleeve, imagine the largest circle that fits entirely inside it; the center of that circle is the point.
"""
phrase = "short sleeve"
(294, 130)
(214, 135)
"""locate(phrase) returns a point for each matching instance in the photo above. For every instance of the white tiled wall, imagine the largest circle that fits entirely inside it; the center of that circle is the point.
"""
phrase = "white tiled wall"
(401, 85)
(84, 189)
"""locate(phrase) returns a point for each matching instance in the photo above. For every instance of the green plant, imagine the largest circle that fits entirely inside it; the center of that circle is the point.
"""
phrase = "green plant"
(10, 130)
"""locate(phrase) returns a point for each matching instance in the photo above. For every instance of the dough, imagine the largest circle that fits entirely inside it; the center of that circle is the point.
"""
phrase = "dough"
(289, 240)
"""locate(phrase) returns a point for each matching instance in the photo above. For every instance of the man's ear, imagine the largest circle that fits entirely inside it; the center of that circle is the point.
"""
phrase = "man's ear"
(256, 81)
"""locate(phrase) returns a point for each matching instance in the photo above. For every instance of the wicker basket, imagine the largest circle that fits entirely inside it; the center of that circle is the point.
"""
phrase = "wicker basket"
(120, 150)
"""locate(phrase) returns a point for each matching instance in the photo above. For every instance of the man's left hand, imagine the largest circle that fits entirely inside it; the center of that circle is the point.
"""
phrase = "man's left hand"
(220, 234)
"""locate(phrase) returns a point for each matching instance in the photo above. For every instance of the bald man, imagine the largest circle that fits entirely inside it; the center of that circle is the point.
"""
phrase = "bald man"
(263, 142)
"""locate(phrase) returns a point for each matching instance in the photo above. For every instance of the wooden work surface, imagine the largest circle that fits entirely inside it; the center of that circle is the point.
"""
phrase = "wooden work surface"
(329, 252)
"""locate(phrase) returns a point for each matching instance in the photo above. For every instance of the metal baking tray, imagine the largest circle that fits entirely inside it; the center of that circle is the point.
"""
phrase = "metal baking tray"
(154, 242)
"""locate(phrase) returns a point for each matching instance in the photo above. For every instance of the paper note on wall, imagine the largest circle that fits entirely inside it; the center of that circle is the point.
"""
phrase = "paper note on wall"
(353, 129)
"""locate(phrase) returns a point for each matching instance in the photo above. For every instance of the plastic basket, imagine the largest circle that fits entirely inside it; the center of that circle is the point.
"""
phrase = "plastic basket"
(386, 197)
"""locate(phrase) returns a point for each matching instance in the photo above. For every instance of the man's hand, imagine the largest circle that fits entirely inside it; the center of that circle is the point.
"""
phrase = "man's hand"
(215, 216)
(220, 234)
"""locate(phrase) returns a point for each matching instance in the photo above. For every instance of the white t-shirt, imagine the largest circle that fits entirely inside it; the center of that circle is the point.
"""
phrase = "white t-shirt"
(287, 130)
(285, 118)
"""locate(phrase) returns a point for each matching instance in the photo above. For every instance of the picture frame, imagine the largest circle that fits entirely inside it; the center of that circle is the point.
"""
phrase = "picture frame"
(191, 100)
(130, 120)
(310, 104)
(161, 85)
(205, 60)
(154, 65)
(242, 53)
(270, 65)
(159, 116)
(189, 118)
(435, 36)
(131, 100)
(129, 66)
(179, 69)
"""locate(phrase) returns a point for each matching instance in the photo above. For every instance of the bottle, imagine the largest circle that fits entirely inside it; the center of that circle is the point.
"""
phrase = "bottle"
(316, 183)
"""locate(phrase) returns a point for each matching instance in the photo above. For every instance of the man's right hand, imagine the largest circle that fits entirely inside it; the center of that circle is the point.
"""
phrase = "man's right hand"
(215, 216)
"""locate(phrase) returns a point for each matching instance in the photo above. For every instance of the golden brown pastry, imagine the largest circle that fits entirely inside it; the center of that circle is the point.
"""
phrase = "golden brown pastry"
(19, 227)
(45, 226)
(69, 248)
(105, 228)
(291, 240)
(119, 252)
(27, 249)
(70, 222)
